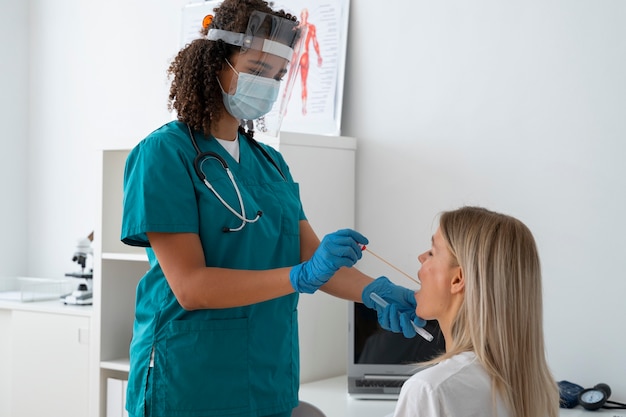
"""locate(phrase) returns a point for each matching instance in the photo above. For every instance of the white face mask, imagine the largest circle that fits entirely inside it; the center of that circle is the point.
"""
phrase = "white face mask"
(254, 96)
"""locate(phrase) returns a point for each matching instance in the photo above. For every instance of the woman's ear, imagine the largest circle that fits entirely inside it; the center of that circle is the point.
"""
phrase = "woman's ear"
(457, 284)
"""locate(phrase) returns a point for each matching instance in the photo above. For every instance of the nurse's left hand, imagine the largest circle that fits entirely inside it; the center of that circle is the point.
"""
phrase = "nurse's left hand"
(338, 249)
(397, 316)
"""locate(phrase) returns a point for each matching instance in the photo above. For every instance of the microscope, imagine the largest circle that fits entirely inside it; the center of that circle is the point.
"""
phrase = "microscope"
(82, 295)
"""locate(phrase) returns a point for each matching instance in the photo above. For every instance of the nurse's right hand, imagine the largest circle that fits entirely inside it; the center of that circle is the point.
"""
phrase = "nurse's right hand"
(338, 249)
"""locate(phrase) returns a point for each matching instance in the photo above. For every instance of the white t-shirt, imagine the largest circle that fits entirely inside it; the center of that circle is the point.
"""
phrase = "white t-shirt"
(458, 386)
(232, 146)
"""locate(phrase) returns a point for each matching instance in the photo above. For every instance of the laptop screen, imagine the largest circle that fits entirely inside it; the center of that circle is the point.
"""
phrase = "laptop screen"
(380, 360)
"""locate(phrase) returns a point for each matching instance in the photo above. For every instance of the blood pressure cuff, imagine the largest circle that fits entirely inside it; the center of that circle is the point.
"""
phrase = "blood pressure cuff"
(568, 393)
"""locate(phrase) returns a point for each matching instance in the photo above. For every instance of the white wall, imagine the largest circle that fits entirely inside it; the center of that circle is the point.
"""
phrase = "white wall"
(14, 135)
(518, 107)
(97, 80)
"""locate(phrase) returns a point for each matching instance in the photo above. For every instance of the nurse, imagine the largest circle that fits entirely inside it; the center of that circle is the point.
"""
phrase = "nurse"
(230, 249)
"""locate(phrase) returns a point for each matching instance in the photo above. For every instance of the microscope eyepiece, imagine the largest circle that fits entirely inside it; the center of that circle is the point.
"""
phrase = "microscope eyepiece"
(80, 258)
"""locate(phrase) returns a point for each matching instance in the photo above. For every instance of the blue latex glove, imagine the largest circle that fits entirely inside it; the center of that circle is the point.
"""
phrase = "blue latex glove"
(338, 249)
(397, 316)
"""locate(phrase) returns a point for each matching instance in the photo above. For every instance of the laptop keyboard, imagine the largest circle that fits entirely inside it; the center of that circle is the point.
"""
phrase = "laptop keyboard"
(380, 383)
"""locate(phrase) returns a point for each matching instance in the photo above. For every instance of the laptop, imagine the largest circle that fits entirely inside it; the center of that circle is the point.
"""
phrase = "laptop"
(379, 361)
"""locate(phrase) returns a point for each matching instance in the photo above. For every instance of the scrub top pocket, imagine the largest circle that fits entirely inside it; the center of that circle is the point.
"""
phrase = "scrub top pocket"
(204, 368)
(287, 196)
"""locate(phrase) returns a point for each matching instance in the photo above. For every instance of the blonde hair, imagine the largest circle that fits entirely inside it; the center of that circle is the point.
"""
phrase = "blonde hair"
(501, 318)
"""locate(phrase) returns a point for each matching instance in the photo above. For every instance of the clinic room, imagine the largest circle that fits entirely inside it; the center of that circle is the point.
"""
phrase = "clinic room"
(324, 208)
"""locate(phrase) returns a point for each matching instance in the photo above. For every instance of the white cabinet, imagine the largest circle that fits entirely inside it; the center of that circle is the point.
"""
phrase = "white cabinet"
(5, 363)
(46, 367)
(324, 167)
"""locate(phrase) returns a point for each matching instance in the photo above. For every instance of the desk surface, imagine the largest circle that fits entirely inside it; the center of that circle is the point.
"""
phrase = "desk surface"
(331, 396)
(50, 306)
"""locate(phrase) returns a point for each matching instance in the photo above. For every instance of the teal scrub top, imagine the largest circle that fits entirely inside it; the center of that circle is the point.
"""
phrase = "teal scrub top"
(241, 361)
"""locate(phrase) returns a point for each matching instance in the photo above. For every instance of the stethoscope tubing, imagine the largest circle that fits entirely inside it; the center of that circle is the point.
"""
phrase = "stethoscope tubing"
(241, 216)
(199, 160)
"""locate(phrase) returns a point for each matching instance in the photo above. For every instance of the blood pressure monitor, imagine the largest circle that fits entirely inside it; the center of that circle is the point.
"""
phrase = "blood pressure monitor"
(597, 397)
(594, 398)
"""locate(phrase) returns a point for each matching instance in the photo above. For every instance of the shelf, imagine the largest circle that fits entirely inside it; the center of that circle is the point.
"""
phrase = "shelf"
(116, 256)
(116, 365)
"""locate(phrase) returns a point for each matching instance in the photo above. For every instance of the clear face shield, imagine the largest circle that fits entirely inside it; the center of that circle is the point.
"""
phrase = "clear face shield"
(257, 82)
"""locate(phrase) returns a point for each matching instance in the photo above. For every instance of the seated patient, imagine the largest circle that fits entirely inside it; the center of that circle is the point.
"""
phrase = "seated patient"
(481, 281)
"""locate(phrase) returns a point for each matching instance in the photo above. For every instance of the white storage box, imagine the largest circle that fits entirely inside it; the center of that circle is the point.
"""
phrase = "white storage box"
(26, 289)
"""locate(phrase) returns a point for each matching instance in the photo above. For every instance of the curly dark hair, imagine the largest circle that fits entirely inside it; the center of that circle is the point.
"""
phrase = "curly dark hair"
(194, 92)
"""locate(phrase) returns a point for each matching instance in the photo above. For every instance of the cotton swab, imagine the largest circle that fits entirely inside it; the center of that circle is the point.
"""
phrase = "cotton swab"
(364, 248)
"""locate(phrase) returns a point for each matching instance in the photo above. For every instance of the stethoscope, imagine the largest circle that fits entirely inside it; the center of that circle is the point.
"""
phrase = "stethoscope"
(201, 158)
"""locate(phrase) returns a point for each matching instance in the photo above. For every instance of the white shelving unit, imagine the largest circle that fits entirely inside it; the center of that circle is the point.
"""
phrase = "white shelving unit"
(117, 270)
(325, 169)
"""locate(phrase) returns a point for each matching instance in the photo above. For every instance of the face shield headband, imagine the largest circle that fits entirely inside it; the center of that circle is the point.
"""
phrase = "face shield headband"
(269, 42)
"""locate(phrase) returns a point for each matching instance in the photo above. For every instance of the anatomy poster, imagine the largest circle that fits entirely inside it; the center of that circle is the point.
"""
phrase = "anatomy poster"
(316, 97)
